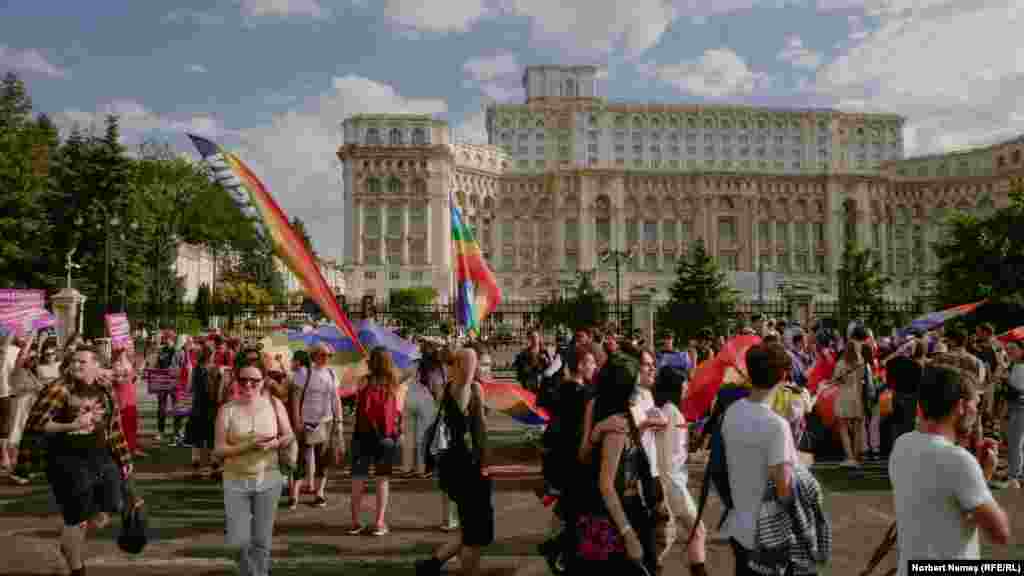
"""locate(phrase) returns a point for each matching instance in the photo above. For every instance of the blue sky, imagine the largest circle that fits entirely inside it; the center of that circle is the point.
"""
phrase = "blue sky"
(273, 79)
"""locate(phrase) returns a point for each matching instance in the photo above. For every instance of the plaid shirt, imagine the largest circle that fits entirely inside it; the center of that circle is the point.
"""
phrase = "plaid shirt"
(801, 528)
(52, 399)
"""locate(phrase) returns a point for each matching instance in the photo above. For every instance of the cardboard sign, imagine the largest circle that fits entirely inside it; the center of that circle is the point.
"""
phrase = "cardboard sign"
(120, 331)
(160, 379)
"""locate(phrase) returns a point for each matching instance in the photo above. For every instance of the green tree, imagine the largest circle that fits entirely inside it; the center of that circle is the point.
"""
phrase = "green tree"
(411, 307)
(983, 256)
(586, 308)
(24, 160)
(701, 297)
(862, 287)
(300, 228)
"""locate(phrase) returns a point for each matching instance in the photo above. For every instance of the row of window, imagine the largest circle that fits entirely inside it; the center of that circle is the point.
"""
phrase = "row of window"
(638, 122)
(396, 137)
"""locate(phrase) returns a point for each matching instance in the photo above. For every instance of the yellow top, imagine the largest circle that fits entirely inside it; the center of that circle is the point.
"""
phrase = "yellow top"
(243, 425)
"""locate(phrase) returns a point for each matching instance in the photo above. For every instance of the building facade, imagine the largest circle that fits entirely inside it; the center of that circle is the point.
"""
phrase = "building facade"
(568, 177)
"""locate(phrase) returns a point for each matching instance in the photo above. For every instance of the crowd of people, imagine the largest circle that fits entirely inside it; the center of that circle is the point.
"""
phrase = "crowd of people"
(936, 405)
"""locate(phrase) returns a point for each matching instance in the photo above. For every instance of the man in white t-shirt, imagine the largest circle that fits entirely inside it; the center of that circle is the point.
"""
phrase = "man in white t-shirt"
(8, 359)
(941, 491)
(758, 446)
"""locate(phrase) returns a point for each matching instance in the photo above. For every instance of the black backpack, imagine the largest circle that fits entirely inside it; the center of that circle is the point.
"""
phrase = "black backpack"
(717, 471)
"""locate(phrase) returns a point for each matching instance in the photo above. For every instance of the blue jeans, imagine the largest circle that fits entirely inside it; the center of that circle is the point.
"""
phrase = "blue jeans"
(250, 507)
(1015, 441)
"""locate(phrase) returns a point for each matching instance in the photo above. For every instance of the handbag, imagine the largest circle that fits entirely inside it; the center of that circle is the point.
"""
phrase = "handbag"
(653, 494)
(133, 536)
(287, 454)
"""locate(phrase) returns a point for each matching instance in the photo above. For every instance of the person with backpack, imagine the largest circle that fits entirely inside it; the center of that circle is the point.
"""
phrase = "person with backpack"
(376, 438)
(757, 446)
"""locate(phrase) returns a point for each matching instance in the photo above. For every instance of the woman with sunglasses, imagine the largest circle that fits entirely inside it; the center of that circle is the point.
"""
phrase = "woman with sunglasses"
(248, 435)
(320, 414)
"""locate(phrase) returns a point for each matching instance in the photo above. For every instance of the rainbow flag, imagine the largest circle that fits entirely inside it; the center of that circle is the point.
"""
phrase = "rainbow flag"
(1015, 335)
(256, 202)
(477, 292)
(933, 320)
(515, 401)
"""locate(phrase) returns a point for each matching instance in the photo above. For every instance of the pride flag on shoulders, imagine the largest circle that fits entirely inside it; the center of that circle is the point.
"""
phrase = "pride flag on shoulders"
(477, 293)
(933, 320)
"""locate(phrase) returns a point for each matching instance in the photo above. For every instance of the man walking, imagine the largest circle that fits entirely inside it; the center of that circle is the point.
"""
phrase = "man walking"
(87, 455)
(758, 447)
(940, 489)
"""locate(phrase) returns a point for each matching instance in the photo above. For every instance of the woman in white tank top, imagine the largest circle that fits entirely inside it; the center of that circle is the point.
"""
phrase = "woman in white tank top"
(248, 435)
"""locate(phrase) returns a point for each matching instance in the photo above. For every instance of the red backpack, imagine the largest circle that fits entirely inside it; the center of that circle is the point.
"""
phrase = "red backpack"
(377, 412)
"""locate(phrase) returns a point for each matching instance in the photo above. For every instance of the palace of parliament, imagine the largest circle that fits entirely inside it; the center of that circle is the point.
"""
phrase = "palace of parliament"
(569, 177)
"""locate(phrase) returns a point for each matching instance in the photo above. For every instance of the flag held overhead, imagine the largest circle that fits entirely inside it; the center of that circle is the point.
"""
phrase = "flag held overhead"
(255, 201)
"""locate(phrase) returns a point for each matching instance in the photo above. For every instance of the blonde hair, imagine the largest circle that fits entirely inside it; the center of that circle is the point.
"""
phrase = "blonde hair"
(382, 369)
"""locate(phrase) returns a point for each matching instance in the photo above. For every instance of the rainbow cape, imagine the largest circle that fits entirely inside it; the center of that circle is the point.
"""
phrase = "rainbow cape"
(256, 202)
(477, 292)
(933, 320)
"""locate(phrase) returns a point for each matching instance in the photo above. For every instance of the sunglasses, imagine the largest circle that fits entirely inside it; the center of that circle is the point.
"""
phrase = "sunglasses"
(251, 382)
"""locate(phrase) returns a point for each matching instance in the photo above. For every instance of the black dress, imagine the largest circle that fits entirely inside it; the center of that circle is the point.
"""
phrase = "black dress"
(460, 467)
(199, 432)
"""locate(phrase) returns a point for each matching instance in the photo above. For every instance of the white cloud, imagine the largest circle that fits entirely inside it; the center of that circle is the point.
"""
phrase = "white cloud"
(29, 60)
(138, 121)
(799, 55)
(283, 8)
(715, 74)
(578, 29)
(295, 153)
(441, 17)
(952, 68)
(497, 77)
(193, 16)
(197, 68)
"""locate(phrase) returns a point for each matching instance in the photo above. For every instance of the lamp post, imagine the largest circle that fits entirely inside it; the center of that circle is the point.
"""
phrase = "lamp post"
(618, 258)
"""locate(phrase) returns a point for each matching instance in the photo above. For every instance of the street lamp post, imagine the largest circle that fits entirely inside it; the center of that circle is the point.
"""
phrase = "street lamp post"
(618, 258)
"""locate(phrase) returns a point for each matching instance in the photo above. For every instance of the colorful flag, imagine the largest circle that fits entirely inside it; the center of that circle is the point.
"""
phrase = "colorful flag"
(477, 292)
(256, 202)
(933, 320)
(514, 400)
(727, 369)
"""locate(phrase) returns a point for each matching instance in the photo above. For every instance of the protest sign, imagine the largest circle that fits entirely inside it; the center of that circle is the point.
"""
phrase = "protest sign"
(160, 379)
(120, 331)
(25, 320)
(16, 299)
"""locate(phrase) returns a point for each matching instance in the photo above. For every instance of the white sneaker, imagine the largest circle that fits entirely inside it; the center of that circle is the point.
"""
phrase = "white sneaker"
(1015, 483)
(449, 527)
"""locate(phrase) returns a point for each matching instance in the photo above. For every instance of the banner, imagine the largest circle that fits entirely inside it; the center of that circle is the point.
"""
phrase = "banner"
(160, 379)
(120, 331)
(23, 311)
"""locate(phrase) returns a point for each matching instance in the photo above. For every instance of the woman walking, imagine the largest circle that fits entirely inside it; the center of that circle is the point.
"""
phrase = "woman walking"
(464, 470)
(420, 412)
(377, 431)
(248, 434)
(300, 367)
(199, 432)
(320, 411)
(123, 370)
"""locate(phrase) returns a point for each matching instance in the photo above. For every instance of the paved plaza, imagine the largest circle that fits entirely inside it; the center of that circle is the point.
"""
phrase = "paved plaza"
(187, 522)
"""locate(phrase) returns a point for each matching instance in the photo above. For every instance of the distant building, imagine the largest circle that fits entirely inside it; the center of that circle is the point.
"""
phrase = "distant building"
(569, 176)
(329, 267)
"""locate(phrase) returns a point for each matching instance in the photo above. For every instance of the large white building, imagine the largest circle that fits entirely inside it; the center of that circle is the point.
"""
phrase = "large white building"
(569, 176)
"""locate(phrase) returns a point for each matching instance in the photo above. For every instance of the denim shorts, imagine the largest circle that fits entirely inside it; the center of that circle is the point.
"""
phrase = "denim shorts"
(368, 449)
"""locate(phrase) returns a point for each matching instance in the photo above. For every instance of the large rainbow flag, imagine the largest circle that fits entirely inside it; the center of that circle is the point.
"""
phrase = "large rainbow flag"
(514, 400)
(256, 202)
(477, 292)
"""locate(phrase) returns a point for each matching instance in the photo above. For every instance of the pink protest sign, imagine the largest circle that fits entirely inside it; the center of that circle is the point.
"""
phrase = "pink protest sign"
(120, 331)
(24, 320)
(19, 299)
(160, 379)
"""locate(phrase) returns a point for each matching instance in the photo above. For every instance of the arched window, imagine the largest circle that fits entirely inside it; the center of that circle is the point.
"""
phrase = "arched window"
(373, 137)
(419, 136)
(394, 186)
(396, 137)
(373, 185)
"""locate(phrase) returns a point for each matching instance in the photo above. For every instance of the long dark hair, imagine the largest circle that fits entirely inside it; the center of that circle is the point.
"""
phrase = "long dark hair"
(616, 384)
